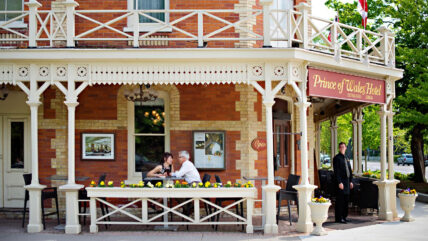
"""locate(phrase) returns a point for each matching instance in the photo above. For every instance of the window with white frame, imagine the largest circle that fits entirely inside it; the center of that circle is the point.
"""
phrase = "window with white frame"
(148, 132)
(147, 23)
(278, 7)
(11, 5)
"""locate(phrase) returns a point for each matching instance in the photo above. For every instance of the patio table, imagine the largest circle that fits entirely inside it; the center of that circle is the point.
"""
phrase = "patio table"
(263, 180)
(194, 195)
(164, 180)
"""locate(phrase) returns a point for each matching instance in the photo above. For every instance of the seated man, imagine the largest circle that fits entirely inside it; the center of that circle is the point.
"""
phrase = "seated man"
(188, 170)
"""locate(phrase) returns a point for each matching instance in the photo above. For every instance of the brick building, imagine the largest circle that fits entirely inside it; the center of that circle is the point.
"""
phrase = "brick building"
(241, 67)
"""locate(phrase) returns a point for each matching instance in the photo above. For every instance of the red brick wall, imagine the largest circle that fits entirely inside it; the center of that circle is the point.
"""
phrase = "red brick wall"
(98, 103)
(48, 96)
(215, 102)
(46, 153)
(116, 170)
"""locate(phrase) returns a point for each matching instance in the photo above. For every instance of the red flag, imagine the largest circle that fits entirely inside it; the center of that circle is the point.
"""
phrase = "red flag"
(363, 10)
(336, 19)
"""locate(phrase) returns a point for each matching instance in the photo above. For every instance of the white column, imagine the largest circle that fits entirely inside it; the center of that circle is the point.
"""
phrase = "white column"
(355, 162)
(385, 212)
(304, 224)
(72, 225)
(360, 145)
(34, 189)
(270, 189)
(382, 115)
(392, 182)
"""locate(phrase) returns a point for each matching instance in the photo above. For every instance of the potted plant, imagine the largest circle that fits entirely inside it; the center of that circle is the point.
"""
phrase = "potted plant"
(407, 203)
(319, 214)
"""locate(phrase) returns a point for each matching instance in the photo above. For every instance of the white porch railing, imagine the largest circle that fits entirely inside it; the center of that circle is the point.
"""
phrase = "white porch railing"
(122, 27)
(149, 195)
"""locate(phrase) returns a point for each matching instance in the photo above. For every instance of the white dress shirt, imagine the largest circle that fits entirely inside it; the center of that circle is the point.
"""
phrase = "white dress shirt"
(189, 172)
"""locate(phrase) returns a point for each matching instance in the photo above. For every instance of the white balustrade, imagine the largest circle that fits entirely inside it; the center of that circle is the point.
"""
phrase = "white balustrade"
(200, 26)
(147, 196)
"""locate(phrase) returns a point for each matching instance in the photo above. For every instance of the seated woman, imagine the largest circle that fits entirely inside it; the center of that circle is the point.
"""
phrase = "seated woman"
(164, 169)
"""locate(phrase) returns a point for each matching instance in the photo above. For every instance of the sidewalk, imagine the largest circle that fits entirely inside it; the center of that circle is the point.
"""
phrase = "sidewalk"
(418, 230)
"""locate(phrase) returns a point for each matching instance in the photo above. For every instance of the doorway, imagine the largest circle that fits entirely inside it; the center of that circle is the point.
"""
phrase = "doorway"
(281, 140)
(15, 149)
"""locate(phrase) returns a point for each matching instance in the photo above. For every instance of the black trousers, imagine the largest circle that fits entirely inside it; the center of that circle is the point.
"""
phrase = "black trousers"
(341, 207)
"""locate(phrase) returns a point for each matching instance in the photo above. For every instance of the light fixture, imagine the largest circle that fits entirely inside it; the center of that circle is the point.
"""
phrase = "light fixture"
(141, 94)
(4, 92)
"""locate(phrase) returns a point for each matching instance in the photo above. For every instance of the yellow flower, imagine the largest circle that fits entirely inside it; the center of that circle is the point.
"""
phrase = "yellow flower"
(229, 182)
(154, 112)
(177, 182)
(239, 182)
(93, 184)
(207, 184)
(215, 184)
(194, 185)
(102, 183)
(158, 184)
(200, 184)
(413, 191)
(110, 183)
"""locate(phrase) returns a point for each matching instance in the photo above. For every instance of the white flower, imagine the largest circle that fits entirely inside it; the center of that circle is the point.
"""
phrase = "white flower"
(169, 185)
(150, 185)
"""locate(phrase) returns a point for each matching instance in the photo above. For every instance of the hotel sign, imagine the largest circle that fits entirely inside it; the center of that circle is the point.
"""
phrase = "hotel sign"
(329, 84)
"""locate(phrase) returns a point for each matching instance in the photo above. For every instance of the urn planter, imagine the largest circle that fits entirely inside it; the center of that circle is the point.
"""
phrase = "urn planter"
(407, 203)
(319, 214)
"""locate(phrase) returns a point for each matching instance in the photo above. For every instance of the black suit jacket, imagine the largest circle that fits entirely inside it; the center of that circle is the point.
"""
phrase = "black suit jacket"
(339, 167)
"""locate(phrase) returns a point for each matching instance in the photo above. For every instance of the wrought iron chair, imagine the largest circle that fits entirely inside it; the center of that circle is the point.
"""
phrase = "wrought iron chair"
(289, 194)
(47, 193)
(83, 195)
(239, 208)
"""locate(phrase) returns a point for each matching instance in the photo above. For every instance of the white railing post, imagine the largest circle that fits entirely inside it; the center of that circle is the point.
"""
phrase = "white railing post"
(70, 6)
(290, 35)
(33, 5)
(200, 29)
(304, 8)
(266, 22)
(386, 46)
(136, 27)
(360, 44)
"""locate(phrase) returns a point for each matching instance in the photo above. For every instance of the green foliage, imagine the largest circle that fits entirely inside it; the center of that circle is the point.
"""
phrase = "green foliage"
(371, 128)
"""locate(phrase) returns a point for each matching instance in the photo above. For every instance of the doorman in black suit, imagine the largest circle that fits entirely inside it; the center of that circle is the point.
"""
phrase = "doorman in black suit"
(343, 174)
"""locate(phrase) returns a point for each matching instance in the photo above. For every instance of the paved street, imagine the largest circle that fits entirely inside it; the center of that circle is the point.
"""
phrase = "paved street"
(373, 165)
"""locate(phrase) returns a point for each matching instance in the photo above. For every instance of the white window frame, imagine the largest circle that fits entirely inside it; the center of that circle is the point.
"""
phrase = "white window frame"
(133, 175)
(147, 27)
(16, 24)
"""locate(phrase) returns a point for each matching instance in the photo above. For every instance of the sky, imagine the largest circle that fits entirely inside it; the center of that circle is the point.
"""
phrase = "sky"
(320, 10)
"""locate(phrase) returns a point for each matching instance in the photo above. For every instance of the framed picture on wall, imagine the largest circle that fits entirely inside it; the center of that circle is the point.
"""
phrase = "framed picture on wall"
(98, 146)
(209, 150)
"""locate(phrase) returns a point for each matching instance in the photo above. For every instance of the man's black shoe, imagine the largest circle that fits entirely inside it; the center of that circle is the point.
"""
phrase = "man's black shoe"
(343, 221)
(346, 220)
(340, 221)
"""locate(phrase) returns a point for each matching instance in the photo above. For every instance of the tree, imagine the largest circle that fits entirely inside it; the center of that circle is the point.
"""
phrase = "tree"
(408, 20)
